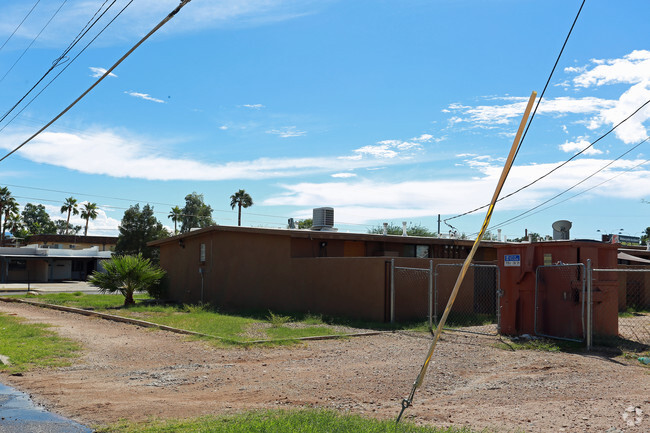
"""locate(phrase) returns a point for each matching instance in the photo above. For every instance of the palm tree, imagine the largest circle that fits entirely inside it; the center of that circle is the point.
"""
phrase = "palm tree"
(241, 199)
(5, 196)
(127, 274)
(13, 223)
(89, 212)
(70, 206)
(176, 215)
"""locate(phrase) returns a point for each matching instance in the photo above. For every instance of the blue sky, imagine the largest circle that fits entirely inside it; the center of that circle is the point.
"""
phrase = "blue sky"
(384, 110)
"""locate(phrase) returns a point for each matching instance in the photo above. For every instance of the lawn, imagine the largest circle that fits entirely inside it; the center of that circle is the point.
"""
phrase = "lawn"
(33, 345)
(204, 319)
(299, 421)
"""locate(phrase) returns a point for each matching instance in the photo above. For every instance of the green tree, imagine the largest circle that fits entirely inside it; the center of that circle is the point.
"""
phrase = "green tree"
(63, 228)
(11, 208)
(5, 198)
(241, 199)
(136, 229)
(196, 213)
(646, 236)
(305, 224)
(176, 214)
(37, 221)
(127, 275)
(14, 224)
(411, 230)
(88, 212)
(70, 206)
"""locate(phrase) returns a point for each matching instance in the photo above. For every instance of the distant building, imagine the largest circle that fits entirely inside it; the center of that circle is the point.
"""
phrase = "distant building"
(73, 242)
(36, 264)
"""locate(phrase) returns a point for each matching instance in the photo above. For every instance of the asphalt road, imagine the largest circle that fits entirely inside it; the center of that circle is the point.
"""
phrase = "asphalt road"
(18, 414)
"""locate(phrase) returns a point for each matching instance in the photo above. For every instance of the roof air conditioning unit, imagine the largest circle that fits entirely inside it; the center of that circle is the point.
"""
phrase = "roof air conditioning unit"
(561, 229)
(323, 219)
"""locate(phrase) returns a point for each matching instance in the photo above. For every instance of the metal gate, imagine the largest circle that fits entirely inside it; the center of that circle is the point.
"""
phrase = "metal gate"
(633, 301)
(411, 294)
(560, 299)
(476, 308)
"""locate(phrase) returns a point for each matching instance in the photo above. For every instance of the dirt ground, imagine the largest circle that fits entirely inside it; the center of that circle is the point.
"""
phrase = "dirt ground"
(135, 373)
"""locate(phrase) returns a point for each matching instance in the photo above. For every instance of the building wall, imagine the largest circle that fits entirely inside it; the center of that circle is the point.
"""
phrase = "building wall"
(282, 273)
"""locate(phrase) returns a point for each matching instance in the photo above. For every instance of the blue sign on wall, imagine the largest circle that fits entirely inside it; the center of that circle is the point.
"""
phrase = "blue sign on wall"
(512, 260)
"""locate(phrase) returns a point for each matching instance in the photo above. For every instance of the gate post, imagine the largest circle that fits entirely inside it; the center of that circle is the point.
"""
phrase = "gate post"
(590, 318)
(430, 295)
(392, 290)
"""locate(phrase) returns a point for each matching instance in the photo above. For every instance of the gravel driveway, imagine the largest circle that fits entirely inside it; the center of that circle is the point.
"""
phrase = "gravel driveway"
(135, 373)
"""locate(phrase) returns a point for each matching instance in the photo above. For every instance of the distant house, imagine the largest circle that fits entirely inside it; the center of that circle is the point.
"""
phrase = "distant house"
(73, 242)
(343, 274)
(34, 263)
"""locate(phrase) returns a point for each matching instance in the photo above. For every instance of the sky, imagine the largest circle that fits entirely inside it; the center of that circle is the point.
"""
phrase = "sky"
(385, 110)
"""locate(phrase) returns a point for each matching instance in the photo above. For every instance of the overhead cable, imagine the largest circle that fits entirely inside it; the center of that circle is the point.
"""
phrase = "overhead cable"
(20, 25)
(534, 111)
(34, 40)
(506, 222)
(558, 166)
(100, 79)
(59, 59)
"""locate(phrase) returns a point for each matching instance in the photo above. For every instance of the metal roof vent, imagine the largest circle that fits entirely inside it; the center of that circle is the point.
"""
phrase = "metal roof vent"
(323, 219)
(561, 229)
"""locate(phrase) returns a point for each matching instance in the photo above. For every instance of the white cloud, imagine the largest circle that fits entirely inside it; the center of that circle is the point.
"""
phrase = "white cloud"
(343, 175)
(631, 69)
(103, 225)
(108, 153)
(145, 96)
(367, 200)
(287, 132)
(143, 15)
(253, 106)
(223, 127)
(98, 72)
(577, 146)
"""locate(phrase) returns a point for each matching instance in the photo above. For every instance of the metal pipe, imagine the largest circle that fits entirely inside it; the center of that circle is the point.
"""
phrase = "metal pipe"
(590, 324)
(430, 295)
(392, 290)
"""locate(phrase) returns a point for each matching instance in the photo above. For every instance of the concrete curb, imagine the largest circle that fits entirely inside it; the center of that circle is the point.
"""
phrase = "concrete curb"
(146, 324)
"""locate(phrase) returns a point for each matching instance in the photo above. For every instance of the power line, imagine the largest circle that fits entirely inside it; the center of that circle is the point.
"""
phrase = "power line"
(566, 40)
(34, 40)
(517, 217)
(59, 59)
(556, 167)
(100, 79)
(20, 25)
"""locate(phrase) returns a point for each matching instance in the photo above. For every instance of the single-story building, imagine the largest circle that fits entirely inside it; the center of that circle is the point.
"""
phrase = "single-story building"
(328, 272)
(73, 242)
(35, 264)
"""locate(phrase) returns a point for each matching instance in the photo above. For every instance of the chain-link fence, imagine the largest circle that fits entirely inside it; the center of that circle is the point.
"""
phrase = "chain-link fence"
(633, 302)
(412, 294)
(560, 301)
(476, 308)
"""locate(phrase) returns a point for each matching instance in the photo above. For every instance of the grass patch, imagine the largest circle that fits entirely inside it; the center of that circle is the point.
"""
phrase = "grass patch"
(539, 344)
(277, 320)
(284, 332)
(82, 300)
(633, 311)
(33, 345)
(299, 421)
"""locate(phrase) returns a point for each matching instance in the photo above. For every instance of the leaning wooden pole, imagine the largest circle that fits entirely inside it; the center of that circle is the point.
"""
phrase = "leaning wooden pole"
(504, 174)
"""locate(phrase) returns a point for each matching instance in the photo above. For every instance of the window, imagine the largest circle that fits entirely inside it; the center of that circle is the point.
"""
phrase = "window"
(202, 254)
(17, 265)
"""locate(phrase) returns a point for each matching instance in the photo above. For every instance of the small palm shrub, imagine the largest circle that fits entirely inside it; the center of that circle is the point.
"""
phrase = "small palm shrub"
(127, 274)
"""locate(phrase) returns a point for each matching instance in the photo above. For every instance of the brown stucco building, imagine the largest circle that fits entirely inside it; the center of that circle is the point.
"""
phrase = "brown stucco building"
(343, 274)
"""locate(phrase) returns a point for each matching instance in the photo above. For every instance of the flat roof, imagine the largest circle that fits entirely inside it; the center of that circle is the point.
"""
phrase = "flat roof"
(317, 234)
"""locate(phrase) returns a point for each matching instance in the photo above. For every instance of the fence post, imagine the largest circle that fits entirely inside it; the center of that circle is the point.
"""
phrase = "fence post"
(435, 296)
(430, 295)
(392, 290)
(589, 306)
